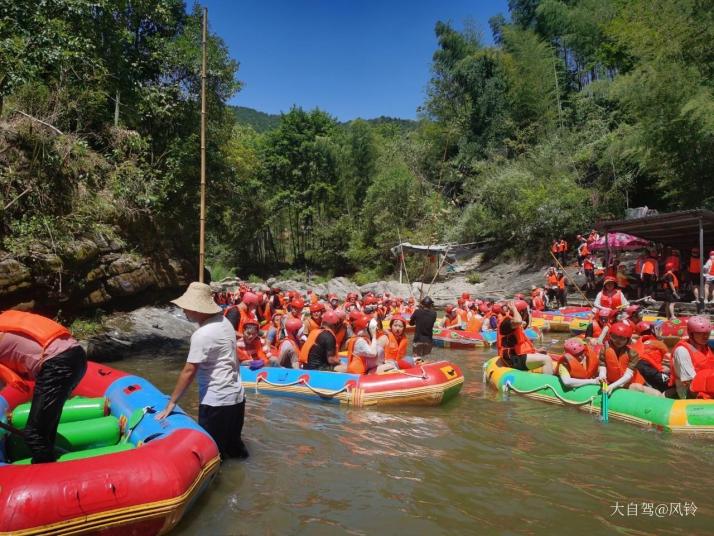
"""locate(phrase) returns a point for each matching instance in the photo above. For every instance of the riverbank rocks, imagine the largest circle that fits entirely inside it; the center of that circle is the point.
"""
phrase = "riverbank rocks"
(90, 273)
(147, 329)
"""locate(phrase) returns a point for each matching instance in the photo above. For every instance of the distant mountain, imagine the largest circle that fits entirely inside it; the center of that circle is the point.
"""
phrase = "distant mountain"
(260, 121)
(263, 122)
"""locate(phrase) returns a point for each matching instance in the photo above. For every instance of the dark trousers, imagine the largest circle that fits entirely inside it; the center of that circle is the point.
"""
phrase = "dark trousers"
(57, 378)
(649, 284)
(225, 425)
(655, 379)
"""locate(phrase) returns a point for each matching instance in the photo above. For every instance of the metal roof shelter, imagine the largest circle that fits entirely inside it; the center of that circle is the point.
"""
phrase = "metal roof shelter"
(682, 230)
(677, 229)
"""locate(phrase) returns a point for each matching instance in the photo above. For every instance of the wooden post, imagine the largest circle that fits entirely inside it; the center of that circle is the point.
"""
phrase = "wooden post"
(202, 229)
(700, 303)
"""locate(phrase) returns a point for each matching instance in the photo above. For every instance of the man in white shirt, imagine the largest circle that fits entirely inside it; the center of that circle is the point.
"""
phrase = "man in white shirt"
(212, 358)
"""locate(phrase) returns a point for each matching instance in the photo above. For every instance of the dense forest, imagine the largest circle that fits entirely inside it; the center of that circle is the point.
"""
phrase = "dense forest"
(581, 109)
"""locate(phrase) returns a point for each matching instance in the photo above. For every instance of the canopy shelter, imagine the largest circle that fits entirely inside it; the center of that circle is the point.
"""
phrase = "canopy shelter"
(682, 230)
(454, 251)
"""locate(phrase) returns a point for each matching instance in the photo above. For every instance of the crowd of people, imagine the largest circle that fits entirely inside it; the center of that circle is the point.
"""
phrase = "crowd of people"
(658, 273)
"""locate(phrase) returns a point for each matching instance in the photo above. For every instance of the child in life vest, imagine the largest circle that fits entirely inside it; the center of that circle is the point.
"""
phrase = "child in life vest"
(578, 365)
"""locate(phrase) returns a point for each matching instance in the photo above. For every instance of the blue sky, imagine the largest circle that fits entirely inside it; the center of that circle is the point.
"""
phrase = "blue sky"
(350, 58)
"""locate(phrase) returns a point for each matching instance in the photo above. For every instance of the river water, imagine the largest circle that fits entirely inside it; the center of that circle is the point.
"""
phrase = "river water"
(481, 464)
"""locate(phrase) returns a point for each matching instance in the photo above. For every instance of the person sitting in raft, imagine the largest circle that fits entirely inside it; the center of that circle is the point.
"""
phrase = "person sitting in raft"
(363, 349)
(618, 362)
(693, 361)
(212, 359)
(653, 353)
(36, 348)
(632, 315)
(578, 365)
(320, 349)
(396, 347)
(273, 335)
(410, 306)
(247, 308)
(602, 318)
(334, 302)
(610, 297)
(289, 347)
(514, 347)
(250, 347)
(451, 318)
(315, 320)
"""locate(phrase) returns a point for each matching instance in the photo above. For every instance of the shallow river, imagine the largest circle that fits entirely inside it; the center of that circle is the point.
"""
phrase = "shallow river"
(481, 464)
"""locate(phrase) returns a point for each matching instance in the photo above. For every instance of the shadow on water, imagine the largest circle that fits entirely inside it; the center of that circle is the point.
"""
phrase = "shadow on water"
(479, 464)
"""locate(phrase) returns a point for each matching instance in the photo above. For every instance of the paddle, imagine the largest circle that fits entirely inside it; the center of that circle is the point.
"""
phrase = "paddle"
(16, 431)
(603, 384)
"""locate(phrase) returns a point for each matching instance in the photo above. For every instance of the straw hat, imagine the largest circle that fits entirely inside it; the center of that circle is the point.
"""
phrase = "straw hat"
(198, 298)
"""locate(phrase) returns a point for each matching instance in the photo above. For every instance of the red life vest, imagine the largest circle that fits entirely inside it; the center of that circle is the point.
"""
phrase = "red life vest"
(552, 280)
(538, 303)
(40, 329)
(455, 321)
(649, 266)
(253, 350)
(700, 360)
(588, 265)
(523, 344)
(617, 365)
(577, 369)
(396, 349)
(597, 329)
(611, 302)
(675, 281)
(246, 316)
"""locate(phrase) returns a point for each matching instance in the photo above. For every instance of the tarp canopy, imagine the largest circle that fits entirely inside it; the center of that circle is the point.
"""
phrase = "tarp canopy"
(676, 229)
(452, 250)
(620, 242)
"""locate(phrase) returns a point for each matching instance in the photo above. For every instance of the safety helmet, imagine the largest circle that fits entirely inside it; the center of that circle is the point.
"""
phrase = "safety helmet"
(642, 327)
(521, 305)
(293, 325)
(620, 329)
(361, 322)
(297, 304)
(396, 318)
(609, 279)
(632, 309)
(449, 309)
(331, 318)
(698, 324)
(574, 347)
(250, 299)
(604, 312)
(317, 307)
(427, 302)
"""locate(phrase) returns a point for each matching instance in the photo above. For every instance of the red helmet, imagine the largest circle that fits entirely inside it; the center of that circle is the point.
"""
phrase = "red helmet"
(399, 318)
(354, 315)
(483, 308)
(298, 304)
(250, 299)
(260, 296)
(293, 325)
(361, 322)
(369, 300)
(331, 318)
(643, 326)
(669, 266)
(620, 329)
(340, 314)
(250, 322)
(317, 307)
(574, 347)
(632, 309)
(609, 279)
(460, 302)
(521, 305)
(519, 296)
(497, 308)
(449, 309)
(465, 296)
(699, 324)
(352, 296)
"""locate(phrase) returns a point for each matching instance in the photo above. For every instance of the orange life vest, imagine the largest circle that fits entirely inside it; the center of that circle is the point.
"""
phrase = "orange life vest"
(396, 349)
(577, 369)
(561, 282)
(253, 350)
(455, 321)
(312, 325)
(563, 246)
(701, 360)
(40, 329)
(622, 280)
(246, 316)
(649, 266)
(651, 350)
(597, 329)
(675, 281)
(588, 265)
(617, 365)
(340, 335)
(12, 378)
(583, 249)
(538, 303)
(555, 247)
(474, 324)
(355, 363)
(611, 302)
(552, 280)
(695, 265)
(310, 342)
(523, 344)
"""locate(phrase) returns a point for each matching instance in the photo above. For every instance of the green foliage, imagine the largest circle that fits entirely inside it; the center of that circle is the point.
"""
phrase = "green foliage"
(258, 121)
(473, 278)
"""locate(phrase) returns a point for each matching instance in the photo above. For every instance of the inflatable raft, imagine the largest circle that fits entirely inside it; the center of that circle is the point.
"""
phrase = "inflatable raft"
(690, 416)
(560, 320)
(430, 384)
(455, 338)
(125, 472)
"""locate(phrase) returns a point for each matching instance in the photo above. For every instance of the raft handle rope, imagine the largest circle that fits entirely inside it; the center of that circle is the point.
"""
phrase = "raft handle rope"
(508, 386)
(301, 381)
(421, 376)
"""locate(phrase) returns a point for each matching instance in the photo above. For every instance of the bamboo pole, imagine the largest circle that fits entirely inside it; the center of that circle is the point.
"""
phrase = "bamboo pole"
(202, 229)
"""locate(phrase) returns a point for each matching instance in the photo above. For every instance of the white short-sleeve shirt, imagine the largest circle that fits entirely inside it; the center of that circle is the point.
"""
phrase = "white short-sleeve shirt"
(213, 349)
